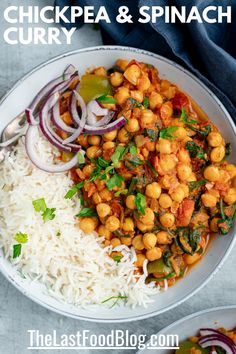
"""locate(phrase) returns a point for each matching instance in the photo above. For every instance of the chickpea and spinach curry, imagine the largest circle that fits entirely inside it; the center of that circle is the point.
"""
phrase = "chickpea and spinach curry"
(154, 173)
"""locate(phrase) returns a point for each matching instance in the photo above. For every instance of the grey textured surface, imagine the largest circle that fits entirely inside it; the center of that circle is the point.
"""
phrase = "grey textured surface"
(19, 314)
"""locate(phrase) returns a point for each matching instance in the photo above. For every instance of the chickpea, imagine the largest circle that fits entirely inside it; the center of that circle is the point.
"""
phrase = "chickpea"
(126, 241)
(191, 259)
(88, 225)
(231, 169)
(167, 162)
(144, 227)
(149, 240)
(214, 139)
(132, 125)
(106, 195)
(94, 139)
(83, 140)
(100, 71)
(184, 171)
(168, 180)
(93, 152)
(137, 242)
(132, 74)
(178, 194)
(104, 232)
(214, 225)
(147, 117)
(140, 260)
(96, 198)
(164, 146)
(167, 220)
(212, 173)
(110, 136)
(154, 254)
(130, 202)
(87, 170)
(183, 156)
(180, 133)
(116, 79)
(144, 83)
(103, 210)
(192, 178)
(209, 200)
(230, 197)
(108, 145)
(128, 225)
(122, 63)
(163, 238)
(148, 217)
(112, 223)
(165, 201)
(153, 190)
(224, 176)
(137, 95)
(217, 153)
(155, 100)
(185, 188)
(121, 95)
(115, 242)
(123, 135)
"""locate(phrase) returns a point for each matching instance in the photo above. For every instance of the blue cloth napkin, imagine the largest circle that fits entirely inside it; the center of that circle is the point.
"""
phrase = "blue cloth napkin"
(208, 50)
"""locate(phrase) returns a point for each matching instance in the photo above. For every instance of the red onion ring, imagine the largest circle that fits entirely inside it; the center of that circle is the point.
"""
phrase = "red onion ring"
(218, 340)
(58, 122)
(30, 140)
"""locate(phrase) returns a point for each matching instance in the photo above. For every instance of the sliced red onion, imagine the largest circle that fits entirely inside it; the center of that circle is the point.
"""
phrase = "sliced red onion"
(58, 122)
(30, 117)
(75, 116)
(106, 128)
(70, 70)
(106, 119)
(218, 340)
(208, 331)
(91, 119)
(30, 141)
(95, 108)
(19, 133)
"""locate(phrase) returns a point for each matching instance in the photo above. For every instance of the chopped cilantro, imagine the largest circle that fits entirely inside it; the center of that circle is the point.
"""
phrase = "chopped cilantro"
(122, 191)
(140, 202)
(145, 102)
(118, 154)
(184, 118)
(101, 162)
(105, 99)
(21, 238)
(133, 150)
(134, 103)
(114, 181)
(228, 150)
(117, 258)
(71, 192)
(195, 150)
(167, 133)
(134, 161)
(115, 297)
(206, 130)
(58, 234)
(151, 133)
(41, 207)
(155, 173)
(17, 250)
(86, 212)
(196, 184)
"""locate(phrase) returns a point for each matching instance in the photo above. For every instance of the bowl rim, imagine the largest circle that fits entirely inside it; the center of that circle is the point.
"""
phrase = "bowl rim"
(230, 120)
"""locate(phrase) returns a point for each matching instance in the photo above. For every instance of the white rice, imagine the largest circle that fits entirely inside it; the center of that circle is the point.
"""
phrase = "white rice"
(74, 267)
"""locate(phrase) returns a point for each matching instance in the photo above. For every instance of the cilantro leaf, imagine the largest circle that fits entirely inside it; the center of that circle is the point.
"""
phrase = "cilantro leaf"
(21, 238)
(134, 161)
(184, 118)
(145, 102)
(86, 212)
(228, 150)
(122, 191)
(105, 99)
(206, 130)
(134, 103)
(195, 150)
(133, 150)
(114, 181)
(48, 214)
(140, 202)
(71, 192)
(39, 205)
(17, 250)
(196, 184)
(117, 258)
(101, 162)
(81, 158)
(118, 154)
(166, 133)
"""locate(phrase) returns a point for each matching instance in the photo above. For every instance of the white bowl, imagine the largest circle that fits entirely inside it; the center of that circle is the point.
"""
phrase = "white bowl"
(21, 95)
(189, 326)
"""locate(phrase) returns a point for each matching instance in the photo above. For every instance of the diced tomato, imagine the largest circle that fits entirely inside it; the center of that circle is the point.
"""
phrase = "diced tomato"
(180, 100)
(222, 187)
(116, 208)
(166, 112)
(185, 212)
(154, 161)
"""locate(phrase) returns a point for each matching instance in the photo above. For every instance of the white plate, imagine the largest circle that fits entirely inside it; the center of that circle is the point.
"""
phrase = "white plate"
(21, 95)
(190, 325)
